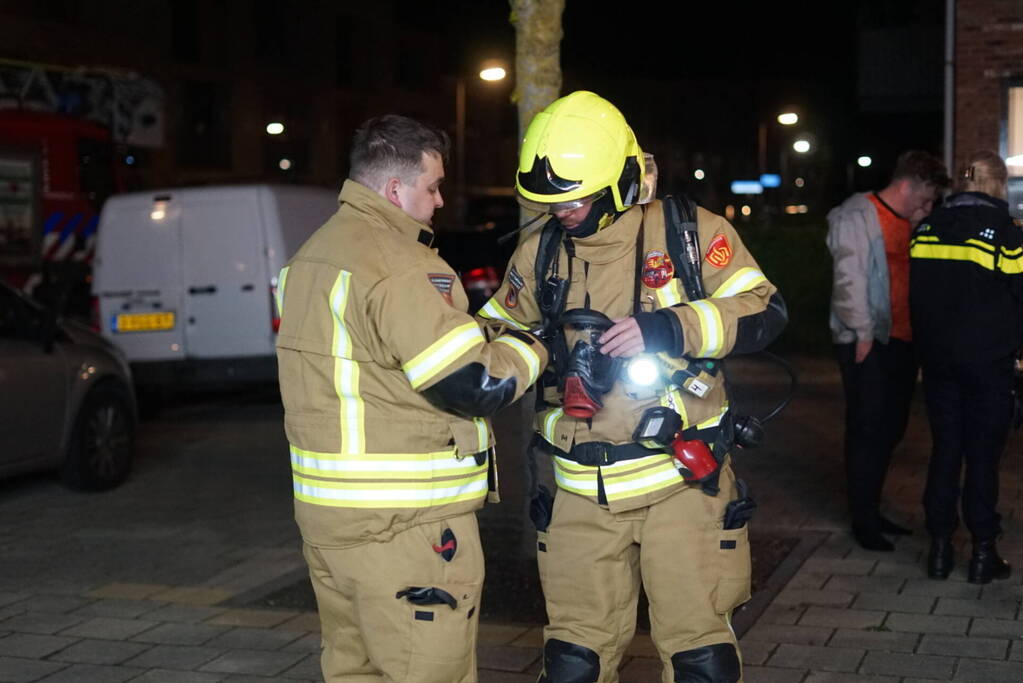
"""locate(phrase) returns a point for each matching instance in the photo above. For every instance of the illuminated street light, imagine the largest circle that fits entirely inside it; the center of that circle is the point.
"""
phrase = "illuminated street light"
(284, 164)
(800, 182)
(864, 161)
(788, 118)
(699, 174)
(274, 128)
(490, 70)
(493, 73)
(802, 146)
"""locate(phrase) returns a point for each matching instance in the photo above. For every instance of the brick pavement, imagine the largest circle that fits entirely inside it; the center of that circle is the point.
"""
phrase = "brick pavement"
(839, 615)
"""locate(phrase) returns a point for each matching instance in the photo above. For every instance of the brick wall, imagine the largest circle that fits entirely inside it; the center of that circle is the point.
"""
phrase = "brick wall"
(989, 50)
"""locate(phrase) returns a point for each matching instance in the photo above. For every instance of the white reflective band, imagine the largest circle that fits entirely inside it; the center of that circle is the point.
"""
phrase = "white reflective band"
(669, 294)
(307, 491)
(527, 354)
(442, 353)
(550, 422)
(711, 328)
(281, 280)
(341, 344)
(494, 311)
(616, 490)
(585, 484)
(742, 280)
(352, 410)
(389, 465)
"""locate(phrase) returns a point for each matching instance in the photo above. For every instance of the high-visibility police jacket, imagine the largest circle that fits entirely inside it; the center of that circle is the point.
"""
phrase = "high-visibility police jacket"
(966, 281)
(371, 317)
(603, 274)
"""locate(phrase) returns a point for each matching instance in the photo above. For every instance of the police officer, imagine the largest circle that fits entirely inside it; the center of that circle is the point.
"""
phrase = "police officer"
(966, 300)
(625, 512)
(386, 383)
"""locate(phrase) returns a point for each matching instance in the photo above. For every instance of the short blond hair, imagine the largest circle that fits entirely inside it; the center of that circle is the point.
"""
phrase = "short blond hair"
(984, 171)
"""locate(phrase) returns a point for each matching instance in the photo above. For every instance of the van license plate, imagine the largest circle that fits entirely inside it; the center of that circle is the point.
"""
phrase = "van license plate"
(144, 322)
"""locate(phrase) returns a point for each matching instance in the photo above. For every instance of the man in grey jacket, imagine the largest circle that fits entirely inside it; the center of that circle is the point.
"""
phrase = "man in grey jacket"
(868, 236)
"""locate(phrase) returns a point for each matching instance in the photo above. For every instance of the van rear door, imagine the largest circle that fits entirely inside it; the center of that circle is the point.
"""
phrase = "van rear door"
(228, 306)
(137, 276)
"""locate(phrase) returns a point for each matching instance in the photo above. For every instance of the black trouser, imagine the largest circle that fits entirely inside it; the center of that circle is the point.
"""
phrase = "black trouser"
(970, 410)
(878, 392)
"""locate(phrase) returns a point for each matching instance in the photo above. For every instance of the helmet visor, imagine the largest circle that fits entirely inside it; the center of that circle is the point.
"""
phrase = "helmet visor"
(555, 207)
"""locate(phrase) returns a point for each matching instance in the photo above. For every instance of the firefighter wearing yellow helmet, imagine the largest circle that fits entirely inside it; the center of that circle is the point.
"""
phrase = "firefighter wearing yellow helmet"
(636, 499)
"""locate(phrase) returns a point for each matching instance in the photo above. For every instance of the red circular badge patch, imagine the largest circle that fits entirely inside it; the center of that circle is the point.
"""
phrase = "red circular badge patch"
(719, 252)
(657, 269)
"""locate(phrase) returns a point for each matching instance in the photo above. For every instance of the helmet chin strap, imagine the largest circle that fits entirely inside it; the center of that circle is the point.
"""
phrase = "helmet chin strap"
(602, 214)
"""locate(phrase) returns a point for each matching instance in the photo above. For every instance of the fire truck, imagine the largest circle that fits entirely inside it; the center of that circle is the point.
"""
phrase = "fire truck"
(67, 137)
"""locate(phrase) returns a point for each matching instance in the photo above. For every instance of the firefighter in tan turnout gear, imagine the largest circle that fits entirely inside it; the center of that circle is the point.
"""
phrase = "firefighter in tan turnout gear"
(387, 383)
(633, 407)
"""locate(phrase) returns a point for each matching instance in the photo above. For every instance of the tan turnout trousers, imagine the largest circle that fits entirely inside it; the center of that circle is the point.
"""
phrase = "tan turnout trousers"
(371, 636)
(694, 573)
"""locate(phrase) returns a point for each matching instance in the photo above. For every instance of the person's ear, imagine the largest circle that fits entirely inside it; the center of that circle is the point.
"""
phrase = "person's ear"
(391, 188)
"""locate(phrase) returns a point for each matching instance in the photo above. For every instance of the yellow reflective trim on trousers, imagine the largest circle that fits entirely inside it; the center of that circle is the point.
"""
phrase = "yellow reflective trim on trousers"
(399, 466)
(948, 252)
(528, 355)
(362, 486)
(742, 280)
(712, 330)
(649, 480)
(494, 311)
(582, 481)
(550, 422)
(351, 410)
(442, 353)
(669, 294)
(388, 496)
(282, 279)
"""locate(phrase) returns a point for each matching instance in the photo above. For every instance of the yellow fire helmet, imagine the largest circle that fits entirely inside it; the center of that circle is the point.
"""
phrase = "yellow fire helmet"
(576, 150)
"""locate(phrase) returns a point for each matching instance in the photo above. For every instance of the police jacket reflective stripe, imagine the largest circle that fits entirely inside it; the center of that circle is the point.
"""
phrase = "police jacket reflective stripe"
(603, 271)
(966, 280)
(371, 318)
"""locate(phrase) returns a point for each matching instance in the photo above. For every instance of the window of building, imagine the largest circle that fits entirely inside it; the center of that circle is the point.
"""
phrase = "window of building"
(1012, 128)
(204, 133)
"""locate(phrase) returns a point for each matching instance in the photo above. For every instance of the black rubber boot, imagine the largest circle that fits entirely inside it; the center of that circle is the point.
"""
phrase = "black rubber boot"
(940, 559)
(987, 564)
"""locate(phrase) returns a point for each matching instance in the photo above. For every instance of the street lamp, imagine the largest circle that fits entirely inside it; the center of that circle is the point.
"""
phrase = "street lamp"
(788, 118)
(491, 71)
(802, 145)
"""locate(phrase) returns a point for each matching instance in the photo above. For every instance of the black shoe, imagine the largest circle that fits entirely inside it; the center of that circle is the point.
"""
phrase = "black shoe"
(887, 526)
(987, 564)
(940, 558)
(872, 540)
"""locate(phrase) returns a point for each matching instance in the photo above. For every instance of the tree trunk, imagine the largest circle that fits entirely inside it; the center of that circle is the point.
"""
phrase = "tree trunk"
(537, 56)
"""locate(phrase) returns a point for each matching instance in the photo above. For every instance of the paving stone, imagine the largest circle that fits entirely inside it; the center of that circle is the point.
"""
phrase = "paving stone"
(765, 674)
(808, 580)
(889, 641)
(505, 657)
(781, 614)
(37, 622)
(642, 645)
(865, 584)
(755, 652)
(56, 604)
(531, 638)
(927, 623)
(919, 604)
(253, 639)
(816, 657)
(841, 618)
(308, 669)
(944, 589)
(170, 676)
(252, 618)
(984, 671)
(310, 642)
(109, 628)
(992, 609)
(996, 628)
(252, 662)
(120, 609)
(637, 670)
(175, 657)
(833, 677)
(793, 635)
(92, 673)
(802, 596)
(180, 634)
(127, 591)
(192, 614)
(901, 664)
(193, 595)
(507, 677)
(100, 652)
(499, 634)
(10, 598)
(1016, 651)
(856, 567)
(906, 570)
(18, 670)
(33, 645)
(963, 646)
(309, 622)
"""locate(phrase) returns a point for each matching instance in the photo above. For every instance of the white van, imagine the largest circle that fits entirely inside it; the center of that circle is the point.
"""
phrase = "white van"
(184, 279)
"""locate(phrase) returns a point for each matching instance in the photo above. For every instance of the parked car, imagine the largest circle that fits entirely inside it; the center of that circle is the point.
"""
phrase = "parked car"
(66, 398)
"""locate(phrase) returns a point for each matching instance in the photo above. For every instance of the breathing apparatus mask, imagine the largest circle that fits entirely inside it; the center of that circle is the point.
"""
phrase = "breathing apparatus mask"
(589, 374)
